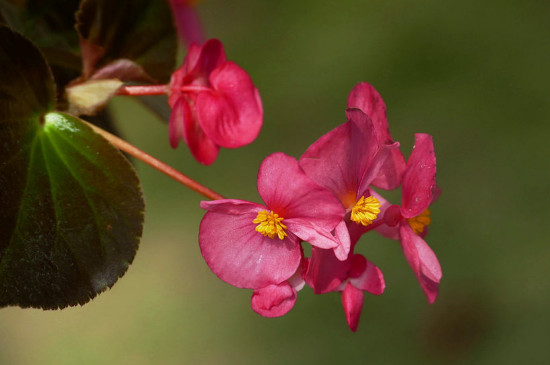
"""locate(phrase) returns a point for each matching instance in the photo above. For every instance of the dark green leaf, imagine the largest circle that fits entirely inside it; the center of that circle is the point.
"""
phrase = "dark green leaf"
(71, 205)
(50, 23)
(138, 30)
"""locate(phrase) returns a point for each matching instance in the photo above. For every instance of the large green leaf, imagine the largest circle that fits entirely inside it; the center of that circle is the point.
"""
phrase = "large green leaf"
(71, 207)
(138, 30)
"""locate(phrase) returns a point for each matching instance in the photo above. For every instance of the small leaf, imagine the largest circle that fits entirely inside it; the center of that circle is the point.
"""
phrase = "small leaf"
(91, 96)
(71, 207)
(138, 30)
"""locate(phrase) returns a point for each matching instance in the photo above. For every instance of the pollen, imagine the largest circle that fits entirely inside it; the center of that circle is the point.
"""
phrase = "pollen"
(419, 222)
(365, 210)
(269, 224)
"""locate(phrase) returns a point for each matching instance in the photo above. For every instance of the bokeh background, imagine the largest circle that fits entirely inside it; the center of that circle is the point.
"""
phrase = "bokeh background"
(474, 74)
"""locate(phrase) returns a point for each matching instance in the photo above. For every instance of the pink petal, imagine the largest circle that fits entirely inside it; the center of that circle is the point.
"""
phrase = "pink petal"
(297, 280)
(363, 142)
(388, 232)
(352, 301)
(182, 76)
(186, 21)
(365, 97)
(309, 232)
(231, 115)
(175, 125)
(391, 214)
(422, 260)
(287, 190)
(327, 162)
(419, 178)
(342, 236)
(325, 272)
(241, 256)
(370, 278)
(211, 56)
(341, 158)
(391, 172)
(378, 169)
(274, 300)
(333, 177)
(202, 148)
(190, 61)
(231, 206)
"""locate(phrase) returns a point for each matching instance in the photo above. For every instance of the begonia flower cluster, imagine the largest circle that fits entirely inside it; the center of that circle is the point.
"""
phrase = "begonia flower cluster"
(328, 198)
(214, 103)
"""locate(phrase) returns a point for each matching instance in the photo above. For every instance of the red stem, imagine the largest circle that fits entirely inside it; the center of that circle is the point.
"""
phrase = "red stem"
(140, 90)
(159, 165)
(194, 88)
(143, 90)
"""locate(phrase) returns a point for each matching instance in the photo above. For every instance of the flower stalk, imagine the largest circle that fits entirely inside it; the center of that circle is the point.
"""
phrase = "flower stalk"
(157, 164)
(140, 90)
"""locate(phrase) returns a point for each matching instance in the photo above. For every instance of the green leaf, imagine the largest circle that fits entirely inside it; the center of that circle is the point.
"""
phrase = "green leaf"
(71, 206)
(138, 30)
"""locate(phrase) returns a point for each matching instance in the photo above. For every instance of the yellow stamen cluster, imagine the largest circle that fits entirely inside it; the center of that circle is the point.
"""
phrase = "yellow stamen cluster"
(269, 224)
(420, 221)
(365, 210)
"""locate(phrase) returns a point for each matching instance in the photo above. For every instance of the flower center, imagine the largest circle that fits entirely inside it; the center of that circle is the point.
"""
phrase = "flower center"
(420, 221)
(365, 210)
(269, 224)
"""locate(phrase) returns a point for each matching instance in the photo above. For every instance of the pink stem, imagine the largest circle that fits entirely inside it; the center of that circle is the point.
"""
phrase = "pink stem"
(159, 165)
(143, 90)
(194, 88)
(140, 90)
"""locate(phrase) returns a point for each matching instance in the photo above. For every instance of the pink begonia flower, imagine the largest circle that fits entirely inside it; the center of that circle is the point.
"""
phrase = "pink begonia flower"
(253, 246)
(409, 221)
(356, 274)
(346, 160)
(365, 97)
(187, 21)
(363, 276)
(277, 299)
(214, 103)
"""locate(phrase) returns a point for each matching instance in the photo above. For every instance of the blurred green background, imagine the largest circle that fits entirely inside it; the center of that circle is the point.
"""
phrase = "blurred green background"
(474, 74)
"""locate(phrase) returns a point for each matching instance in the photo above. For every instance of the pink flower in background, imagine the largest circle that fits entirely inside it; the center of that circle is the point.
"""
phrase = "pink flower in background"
(187, 21)
(214, 103)
(408, 222)
(253, 246)
(365, 97)
(346, 161)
